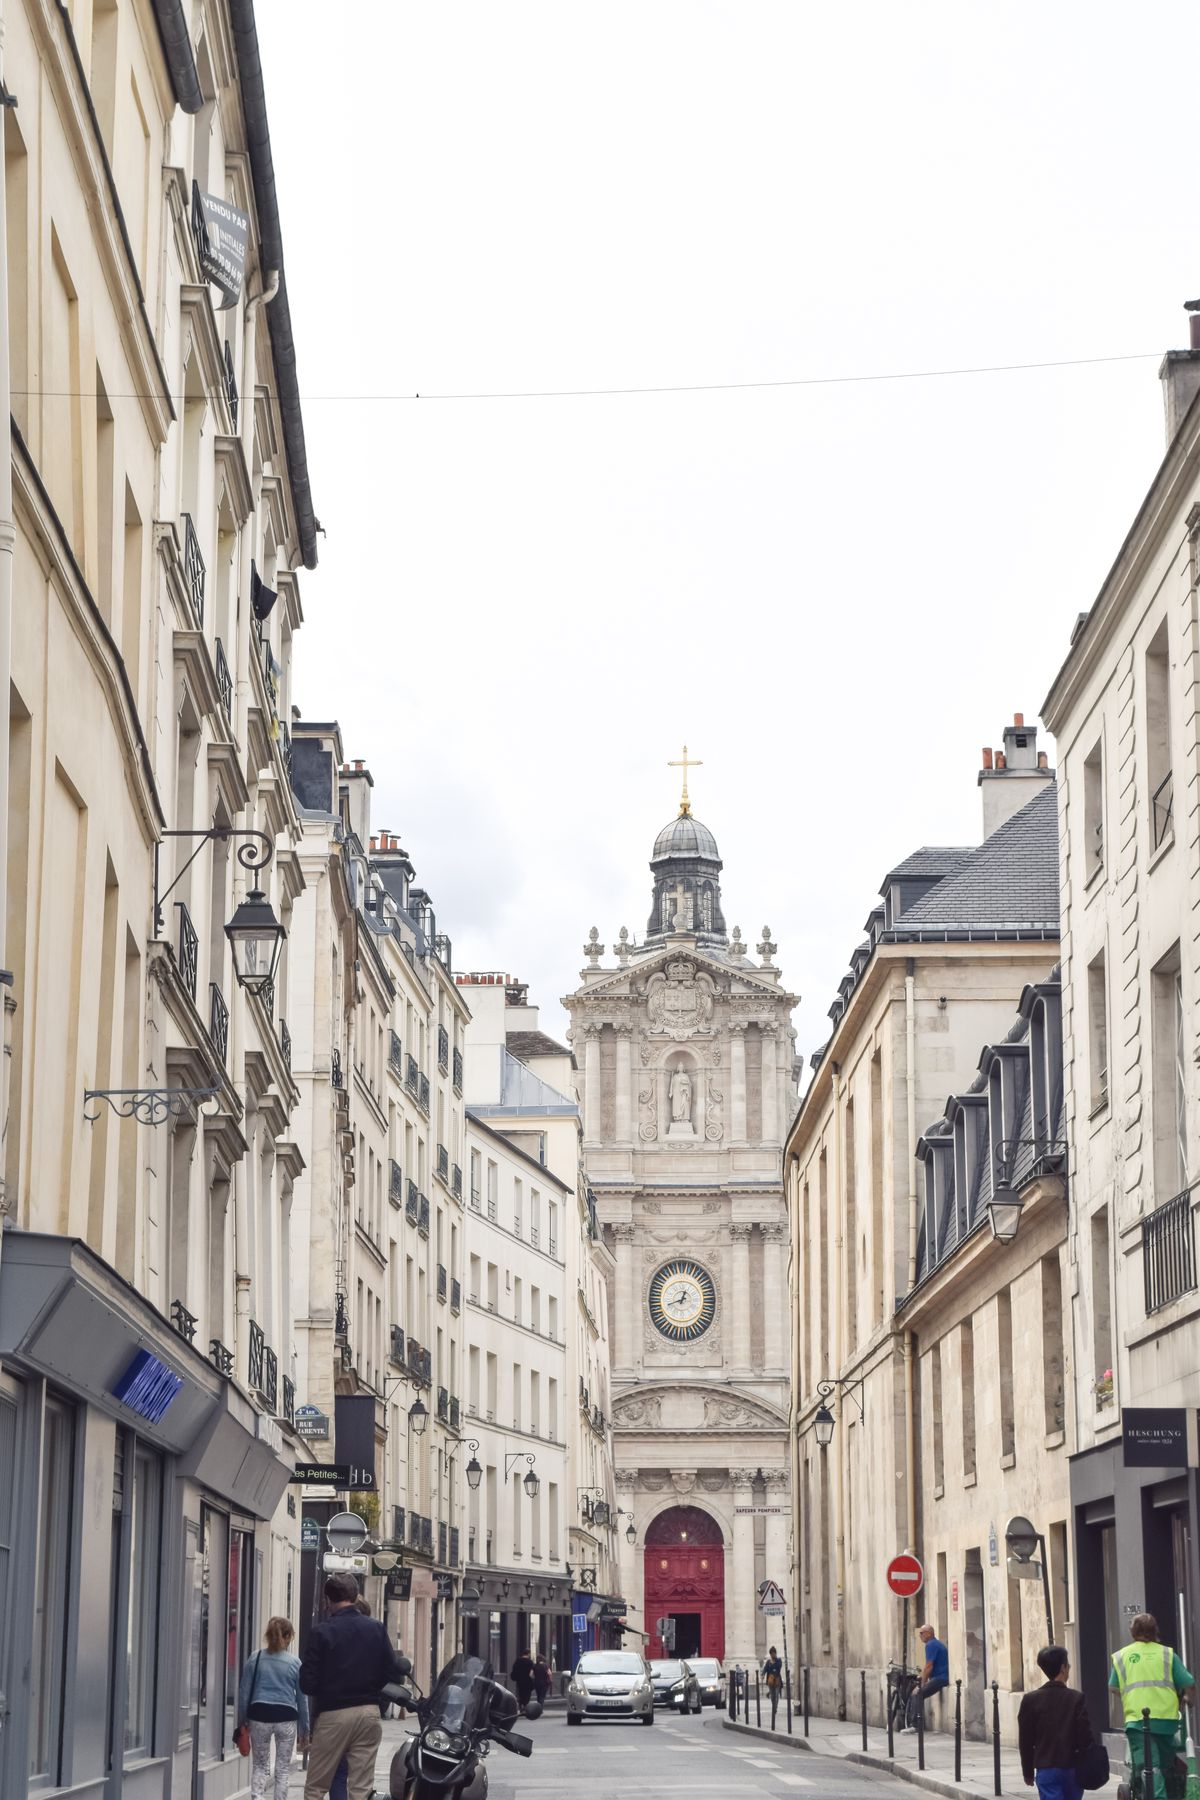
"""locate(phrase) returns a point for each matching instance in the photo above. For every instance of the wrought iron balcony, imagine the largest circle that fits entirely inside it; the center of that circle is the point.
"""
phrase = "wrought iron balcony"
(454, 1542)
(414, 1530)
(534, 1235)
(397, 1352)
(231, 386)
(412, 1075)
(224, 682)
(423, 1216)
(288, 1411)
(183, 1321)
(285, 1042)
(258, 1344)
(1169, 1251)
(476, 1198)
(456, 1182)
(443, 1405)
(443, 1540)
(1162, 811)
(455, 1295)
(395, 1054)
(341, 1318)
(455, 1412)
(427, 1536)
(457, 1076)
(193, 570)
(395, 1182)
(188, 949)
(218, 1021)
(443, 1047)
(423, 1094)
(335, 1069)
(443, 1282)
(397, 1524)
(412, 1204)
(220, 1356)
(270, 1380)
(443, 1164)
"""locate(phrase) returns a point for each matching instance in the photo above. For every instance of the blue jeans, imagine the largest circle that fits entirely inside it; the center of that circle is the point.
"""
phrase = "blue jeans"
(1057, 1784)
(920, 1695)
(337, 1787)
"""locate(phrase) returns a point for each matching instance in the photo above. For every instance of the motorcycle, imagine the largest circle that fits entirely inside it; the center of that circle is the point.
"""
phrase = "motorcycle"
(459, 1722)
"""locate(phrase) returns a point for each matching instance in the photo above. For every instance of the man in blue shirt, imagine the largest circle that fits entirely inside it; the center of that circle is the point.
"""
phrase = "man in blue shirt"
(934, 1676)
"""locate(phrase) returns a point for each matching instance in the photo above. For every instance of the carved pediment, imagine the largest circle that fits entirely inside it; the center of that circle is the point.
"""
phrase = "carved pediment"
(688, 1407)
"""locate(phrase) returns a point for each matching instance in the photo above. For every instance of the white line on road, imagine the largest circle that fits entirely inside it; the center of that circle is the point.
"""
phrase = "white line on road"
(794, 1780)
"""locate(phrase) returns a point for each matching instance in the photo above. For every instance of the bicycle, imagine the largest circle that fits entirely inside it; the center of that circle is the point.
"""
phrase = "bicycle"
(903, 1683)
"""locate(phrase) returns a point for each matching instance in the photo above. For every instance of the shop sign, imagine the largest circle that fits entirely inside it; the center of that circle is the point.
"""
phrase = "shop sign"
(354, 1437)
(1154, 1437)
(399, 1584)
(334, 1475)
(445, 1587)
(311, 1422)
(147, 1387)
(310, 1534)
(579, 1624)
(613, 1609)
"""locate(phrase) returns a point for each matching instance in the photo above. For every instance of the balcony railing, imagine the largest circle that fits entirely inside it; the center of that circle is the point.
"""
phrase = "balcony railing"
(395, 1055)
(257, 1351)
(455, 1295)
(443, 1164)
(412, 1204)
(396, 1354)
(443, 1405)
(288, 1409)
(335, 1069)
(183, 1321)
(189, 946)
(455, 1412)
(1169, 1251)
(427, 1536)
(395, 1183)
(220, 1356)
(266, 995)
(218, 1020)
(193, 569)
(341, 1317)
(443, 1541)
(443, 1282)
(491, 1206)
(443, 1042)
(231, 387)
(398, 1521)
(423, 1216)
(1162, 811)
(412, 1075)
(457, 1075)
(456, 1182)
(454, 1541)
(224, 682)
(285, 1042)
(423, 1094)
(476, 1199)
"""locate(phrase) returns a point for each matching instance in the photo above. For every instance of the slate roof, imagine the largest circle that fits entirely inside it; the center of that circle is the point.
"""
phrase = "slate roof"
(524, 1044)
(930, 859)
(1010, 880)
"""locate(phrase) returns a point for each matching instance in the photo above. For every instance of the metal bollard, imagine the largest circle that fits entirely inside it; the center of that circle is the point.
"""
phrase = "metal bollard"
(891, 1720)
(1149, 1785)
(996, 1734)
(958, 1731)
(920, 1731)
(731, 1695)
(806, 1730)
(787, 1688)
(758, 1698)
(862, 1703)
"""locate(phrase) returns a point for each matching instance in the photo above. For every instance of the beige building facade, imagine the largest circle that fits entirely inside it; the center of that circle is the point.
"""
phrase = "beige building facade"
(959, 933)
(685, 1058)
(1123, 709)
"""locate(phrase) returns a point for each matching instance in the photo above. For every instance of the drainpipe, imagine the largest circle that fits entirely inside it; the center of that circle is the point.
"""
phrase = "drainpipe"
(837, 1361)
(7, 544)
(910, 1085)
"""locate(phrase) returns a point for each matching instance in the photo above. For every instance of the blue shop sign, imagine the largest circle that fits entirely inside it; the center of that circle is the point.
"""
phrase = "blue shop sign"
(147, 1387)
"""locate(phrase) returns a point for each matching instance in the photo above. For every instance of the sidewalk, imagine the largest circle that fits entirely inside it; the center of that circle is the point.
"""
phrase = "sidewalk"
(843, 1738)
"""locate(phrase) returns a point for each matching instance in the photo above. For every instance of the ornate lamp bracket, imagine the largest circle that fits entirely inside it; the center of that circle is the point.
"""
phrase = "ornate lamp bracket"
(254, 853)
(856, 1389)
(150, 1106)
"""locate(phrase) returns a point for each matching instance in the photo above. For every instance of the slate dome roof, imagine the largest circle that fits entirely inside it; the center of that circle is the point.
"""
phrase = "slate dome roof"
(685, 836)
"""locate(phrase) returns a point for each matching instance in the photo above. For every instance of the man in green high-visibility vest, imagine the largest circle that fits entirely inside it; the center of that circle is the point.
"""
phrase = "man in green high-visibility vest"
(1149, 1676)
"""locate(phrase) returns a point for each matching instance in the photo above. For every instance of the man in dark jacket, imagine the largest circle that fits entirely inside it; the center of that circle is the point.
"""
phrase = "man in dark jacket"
(348, 1660)
(1053, 1729)
(521, 1676)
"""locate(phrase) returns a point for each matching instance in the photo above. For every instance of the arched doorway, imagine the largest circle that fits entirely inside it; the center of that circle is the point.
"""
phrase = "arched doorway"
(685, 1581)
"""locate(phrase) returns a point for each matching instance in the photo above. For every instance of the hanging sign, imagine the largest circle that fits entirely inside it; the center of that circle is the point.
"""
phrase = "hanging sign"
(221, 233)
(1154, 1437)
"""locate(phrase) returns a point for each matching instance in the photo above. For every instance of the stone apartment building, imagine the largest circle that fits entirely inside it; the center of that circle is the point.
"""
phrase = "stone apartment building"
(959, 934)
(154, 509)
(1124, 711)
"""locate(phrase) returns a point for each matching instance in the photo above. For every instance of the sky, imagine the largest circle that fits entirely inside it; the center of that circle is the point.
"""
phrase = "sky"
(836, 591)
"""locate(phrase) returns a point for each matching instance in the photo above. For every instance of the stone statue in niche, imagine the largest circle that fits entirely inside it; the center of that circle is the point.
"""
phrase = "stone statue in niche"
(681, 1096)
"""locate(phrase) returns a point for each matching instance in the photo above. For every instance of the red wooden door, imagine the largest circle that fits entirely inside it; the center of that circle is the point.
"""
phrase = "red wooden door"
(686, 1578)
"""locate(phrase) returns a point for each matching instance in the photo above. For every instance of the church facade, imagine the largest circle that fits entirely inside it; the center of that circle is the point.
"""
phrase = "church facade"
(686, 1067)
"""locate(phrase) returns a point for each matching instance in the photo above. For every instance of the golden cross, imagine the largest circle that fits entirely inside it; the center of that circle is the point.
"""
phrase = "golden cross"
(685, 805)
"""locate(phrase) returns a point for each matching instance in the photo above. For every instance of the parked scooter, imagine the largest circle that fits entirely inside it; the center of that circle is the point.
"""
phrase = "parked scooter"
(466, 1713)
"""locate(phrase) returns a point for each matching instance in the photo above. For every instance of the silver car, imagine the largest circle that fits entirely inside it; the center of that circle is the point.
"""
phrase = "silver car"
(610, 1684)
(711, 1676)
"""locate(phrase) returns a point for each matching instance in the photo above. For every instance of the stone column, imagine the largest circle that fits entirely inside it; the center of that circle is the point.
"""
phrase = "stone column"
(737, 1353)
(628, 1324)
(629, 1554)
(624, 1097)
(737, 1081)
(776, 1334)
(591, 1082)
(770, 1085)
(741, 1598)
(777, 1540)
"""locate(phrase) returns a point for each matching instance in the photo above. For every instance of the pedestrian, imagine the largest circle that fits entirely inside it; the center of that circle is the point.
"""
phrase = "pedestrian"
(338, 1786)
(521, 1675)
(348, 1660)
(1053, 1730)
(773, 1676)
(272, 1705)
(934, 1676)
(1148, 1674)
(541, 1677)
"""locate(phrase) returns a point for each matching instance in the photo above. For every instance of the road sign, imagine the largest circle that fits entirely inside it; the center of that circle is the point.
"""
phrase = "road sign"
(346, 1532)
(335, 1475)
(336, 1564)
(579, 1623)
(771, 1599)
(905, 1576)
(310, 1534)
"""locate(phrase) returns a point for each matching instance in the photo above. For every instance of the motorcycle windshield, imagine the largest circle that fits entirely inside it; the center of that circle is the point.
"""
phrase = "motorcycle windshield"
(459, 1702)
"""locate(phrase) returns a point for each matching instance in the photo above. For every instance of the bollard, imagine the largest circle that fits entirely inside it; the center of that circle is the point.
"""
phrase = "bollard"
(806, 1730)
(757, 1699)
(958, 1731)
(890, 1713)
(731, 1695)
(1149, 1785)
(920, 1729)
(996, 1734)
(862, 1703)
(787, 1689)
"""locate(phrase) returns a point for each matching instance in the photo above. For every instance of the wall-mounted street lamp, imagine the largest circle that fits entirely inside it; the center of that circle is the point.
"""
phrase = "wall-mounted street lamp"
(474, 1469)
(418, 1412)
(623, 1512)
(595, 1511)
(531, 1484)
(1005, 1206)
(255, 934)
(824, 1420)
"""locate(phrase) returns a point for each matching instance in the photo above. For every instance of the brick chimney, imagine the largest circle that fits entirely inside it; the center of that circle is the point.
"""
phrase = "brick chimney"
(1012, 776)
(1179, 373)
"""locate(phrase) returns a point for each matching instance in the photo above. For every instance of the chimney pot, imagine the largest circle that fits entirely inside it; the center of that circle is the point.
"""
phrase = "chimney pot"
(1018, 719)
(1001, 760)
(374, 843)
(1194, 330)
(358, 764)
(1043, 760)
(987, 758)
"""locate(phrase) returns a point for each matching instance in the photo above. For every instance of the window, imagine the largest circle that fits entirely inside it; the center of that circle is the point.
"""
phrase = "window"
(1158, 740)
(239, 1628)
(141, 1641)
(1052, 1343)
(54, 1556)
(1097, 990)
(1102, 1332)
(966, 1363)
(517, 1195)
(1169, 1077)
(1093, 812)
(552, 1228)
(1004, 1332)
(935, 1392)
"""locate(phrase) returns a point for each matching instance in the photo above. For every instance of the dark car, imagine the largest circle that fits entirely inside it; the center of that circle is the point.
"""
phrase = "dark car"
(675, 1686)
(711, 1676)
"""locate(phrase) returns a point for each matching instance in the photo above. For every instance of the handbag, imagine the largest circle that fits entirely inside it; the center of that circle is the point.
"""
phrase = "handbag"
(1091, 1768)
(241, 1736)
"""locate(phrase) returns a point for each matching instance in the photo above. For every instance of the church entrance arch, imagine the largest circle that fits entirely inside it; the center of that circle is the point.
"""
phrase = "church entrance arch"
(685, 1580)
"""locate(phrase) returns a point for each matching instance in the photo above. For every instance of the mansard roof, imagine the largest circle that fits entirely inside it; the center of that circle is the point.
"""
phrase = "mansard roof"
(1010, 880)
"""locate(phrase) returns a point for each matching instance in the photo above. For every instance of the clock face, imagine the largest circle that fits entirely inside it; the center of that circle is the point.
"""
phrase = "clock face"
(683, 1300)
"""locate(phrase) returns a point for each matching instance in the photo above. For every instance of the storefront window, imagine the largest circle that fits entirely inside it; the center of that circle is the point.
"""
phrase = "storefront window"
(47, 1661)
(141, 1647)
(239, 1621)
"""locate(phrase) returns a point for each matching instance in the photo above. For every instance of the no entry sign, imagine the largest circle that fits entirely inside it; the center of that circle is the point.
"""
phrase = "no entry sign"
(905, 1576)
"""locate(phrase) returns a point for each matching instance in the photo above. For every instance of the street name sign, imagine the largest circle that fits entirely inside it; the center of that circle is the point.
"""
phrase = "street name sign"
(905, 1576)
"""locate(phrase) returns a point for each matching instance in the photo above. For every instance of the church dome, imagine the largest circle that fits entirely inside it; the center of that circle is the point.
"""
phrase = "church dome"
(685, 836)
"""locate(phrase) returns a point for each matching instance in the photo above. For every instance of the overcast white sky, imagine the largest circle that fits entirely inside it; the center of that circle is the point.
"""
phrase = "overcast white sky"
(835, 594)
